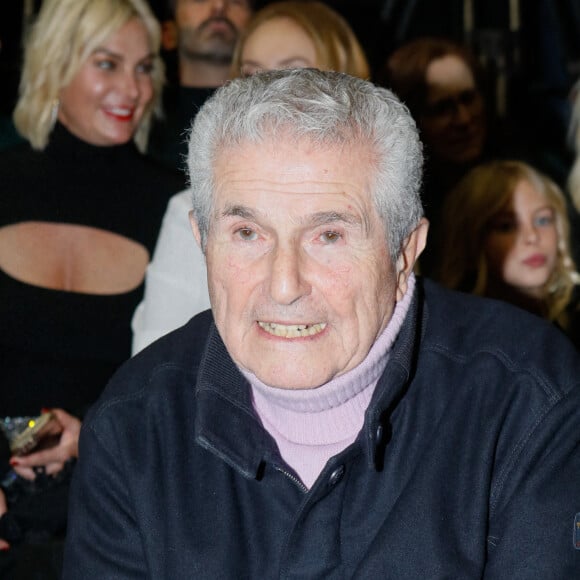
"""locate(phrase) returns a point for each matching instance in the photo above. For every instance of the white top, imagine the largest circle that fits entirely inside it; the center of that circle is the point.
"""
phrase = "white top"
(175, 280)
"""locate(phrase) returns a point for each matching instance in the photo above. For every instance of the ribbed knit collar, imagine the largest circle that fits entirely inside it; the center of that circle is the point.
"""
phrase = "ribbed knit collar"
(63, 144)
(334, 411)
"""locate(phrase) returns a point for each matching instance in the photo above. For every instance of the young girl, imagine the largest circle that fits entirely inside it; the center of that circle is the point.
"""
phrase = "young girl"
(505, 235)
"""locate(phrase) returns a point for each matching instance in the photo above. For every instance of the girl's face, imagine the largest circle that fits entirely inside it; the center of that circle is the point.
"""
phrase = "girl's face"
(106, 99)
(278, 43)
(522, 244)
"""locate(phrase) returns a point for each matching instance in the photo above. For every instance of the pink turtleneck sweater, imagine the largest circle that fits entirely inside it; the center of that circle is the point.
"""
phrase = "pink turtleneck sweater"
(312, 425)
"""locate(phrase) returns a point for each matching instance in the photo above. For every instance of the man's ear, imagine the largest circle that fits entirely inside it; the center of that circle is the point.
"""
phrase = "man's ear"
(195, 229)
(413, 245)
(168, 35)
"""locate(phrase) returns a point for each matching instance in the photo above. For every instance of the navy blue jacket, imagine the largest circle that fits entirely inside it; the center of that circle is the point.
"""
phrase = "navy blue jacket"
(467, 466)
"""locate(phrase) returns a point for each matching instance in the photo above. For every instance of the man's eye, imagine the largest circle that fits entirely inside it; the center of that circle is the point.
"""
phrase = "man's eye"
(443, 108)
(468, 98)
(247, 234)
(330, 237)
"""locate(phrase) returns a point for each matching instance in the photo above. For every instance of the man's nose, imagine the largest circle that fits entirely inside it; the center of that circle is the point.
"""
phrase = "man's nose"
(287, 275)
(218, 6)
(463, 114)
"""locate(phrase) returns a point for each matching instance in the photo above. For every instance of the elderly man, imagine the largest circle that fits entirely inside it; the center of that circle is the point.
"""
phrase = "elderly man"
(335, 417)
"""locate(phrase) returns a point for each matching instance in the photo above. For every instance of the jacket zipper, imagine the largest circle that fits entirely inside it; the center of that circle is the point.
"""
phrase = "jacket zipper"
(292, 478)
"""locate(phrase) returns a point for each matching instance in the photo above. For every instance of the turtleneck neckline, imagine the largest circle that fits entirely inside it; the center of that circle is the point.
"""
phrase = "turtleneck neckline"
(311, 425)
(64, 143)
(342, 388)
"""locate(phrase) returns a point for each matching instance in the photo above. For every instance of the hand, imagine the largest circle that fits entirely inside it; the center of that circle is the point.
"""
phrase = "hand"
(52, 459)
(3, 544)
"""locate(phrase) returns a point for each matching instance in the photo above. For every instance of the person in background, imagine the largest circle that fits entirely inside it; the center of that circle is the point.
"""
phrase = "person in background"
(80, 211)
(280, 35)
(202, 35)
(573, 178)
(296, 35)
(505, 235)
(333, 416)
(8, 134)
(439, 80)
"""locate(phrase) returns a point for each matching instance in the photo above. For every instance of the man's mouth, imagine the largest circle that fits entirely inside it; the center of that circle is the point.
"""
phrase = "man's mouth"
(292, 330)
(219, 25)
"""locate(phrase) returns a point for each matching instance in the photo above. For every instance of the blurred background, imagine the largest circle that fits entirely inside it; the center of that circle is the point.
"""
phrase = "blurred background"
(529, 49)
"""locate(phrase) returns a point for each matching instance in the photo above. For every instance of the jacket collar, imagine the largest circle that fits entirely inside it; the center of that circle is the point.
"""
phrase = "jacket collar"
(394, 381)
(227, 425)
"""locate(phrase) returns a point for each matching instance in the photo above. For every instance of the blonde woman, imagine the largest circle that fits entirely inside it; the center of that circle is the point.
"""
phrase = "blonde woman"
(505, 235)
(81, 208)
(298, 34)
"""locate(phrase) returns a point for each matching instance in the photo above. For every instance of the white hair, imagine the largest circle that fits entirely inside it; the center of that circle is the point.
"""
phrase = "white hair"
(328, 109)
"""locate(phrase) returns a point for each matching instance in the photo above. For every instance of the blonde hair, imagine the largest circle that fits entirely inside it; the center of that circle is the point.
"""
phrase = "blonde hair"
(337, 48)
(64, 35)
(468, 211)
(574, 136)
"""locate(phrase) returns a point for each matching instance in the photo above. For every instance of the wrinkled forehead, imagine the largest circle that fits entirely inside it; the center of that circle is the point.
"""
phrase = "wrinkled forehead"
(295, 173)
(283, 153)
(273, 133)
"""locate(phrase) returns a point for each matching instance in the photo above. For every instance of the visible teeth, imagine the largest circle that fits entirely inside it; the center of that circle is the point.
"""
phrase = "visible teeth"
(292, 330)
(121, 112)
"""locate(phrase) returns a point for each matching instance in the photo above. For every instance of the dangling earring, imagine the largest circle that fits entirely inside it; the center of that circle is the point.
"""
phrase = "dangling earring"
(54, 112)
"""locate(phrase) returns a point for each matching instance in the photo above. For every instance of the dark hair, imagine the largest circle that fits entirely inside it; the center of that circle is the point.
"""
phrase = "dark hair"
(170, 5)
(405, 70)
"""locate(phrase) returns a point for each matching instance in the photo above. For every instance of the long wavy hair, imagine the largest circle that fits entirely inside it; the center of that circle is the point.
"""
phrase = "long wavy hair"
(337, 47)
(467, 214)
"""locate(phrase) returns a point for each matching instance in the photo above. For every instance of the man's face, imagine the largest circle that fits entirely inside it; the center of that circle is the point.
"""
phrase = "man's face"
(453, 120)
(209, 29)
(301, 281)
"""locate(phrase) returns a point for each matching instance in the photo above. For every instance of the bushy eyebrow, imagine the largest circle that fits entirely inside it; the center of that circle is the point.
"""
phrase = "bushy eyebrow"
(320, 218)
(240, 211)
(328, 218)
